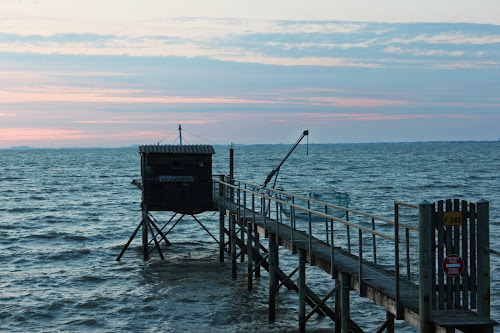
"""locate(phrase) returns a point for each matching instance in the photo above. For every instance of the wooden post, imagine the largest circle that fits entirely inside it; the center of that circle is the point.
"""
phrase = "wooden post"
(257, 248)
(250, 255)
(338, 297)
(302, 290)
(389, 317)
(221, 221)
(145, 223)
(242, 236)
(232, 231)
(273, 283)
(483, 258)
(344, 302)
(231, 173)
(425, 264)
(221, 234)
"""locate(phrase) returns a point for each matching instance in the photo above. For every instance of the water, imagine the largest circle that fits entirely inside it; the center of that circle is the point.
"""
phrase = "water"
(66, 214)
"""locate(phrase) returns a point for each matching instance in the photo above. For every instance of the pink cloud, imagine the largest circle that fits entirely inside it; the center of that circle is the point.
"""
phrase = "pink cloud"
(378, 116)
(354, 102)
(107, 95)
(34, 134)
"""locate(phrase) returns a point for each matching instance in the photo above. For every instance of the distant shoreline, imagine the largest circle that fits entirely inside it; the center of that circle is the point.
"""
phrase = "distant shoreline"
(261, 144)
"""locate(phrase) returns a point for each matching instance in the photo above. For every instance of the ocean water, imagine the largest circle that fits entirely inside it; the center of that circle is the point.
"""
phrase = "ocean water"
(65, 215)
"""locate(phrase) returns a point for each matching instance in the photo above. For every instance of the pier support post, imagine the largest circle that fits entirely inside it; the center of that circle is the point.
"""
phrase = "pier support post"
(302, 290)
(232, 231)
(221, 234)
(273, 281)
(145, 224)
(257, 248)
(338, 297)
(389, 317)
(242, 235)
(345, 287)
(425, 265)
(221, 222)
(250, 255)
(483, 258)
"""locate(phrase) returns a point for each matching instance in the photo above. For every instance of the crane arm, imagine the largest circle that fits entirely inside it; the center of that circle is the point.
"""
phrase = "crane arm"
(274, 171)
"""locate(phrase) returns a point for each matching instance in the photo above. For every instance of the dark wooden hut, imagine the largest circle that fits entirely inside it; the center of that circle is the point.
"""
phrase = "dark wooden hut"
(177, 178)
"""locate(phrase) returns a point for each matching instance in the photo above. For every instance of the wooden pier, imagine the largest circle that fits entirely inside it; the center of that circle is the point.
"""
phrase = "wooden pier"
(450, 303)
(439, 282)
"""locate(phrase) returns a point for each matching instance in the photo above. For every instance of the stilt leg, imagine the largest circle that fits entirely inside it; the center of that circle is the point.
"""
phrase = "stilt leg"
(129, 241)
(145, 231)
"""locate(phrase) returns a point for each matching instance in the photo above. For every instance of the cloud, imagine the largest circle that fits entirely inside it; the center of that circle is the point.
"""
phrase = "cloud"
(303, 61)
(380, 116)
(420, 52)
(344, 102)
(112, 95)
(448, 38)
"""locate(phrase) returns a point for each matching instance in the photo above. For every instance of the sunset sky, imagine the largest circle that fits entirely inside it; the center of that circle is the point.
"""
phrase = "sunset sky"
(116, 73)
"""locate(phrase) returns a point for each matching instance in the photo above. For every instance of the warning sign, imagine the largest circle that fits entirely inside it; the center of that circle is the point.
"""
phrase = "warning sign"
(452, 219)
(453, 265)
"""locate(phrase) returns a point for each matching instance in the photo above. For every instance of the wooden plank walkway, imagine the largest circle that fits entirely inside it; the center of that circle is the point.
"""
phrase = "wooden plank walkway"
(377, 284)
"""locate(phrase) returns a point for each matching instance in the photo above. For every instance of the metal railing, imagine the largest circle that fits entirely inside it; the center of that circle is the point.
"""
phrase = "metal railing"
(305, 213)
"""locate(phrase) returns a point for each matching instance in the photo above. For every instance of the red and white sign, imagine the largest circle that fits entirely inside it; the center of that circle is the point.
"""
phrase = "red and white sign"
(453, 265)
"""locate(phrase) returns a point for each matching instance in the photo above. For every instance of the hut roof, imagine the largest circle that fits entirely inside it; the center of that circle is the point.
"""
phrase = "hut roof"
(177, 149)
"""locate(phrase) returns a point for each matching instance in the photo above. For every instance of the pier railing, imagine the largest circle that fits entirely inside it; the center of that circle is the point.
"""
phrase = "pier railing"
(378, 239)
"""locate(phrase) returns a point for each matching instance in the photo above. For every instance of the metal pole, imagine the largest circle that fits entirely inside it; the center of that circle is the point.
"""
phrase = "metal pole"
(292, 226)
(425, 265)
(362, 292)
(374, 243)
(309, 218)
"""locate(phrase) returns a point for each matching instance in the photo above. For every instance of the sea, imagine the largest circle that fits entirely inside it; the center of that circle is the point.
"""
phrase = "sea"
(65, 215)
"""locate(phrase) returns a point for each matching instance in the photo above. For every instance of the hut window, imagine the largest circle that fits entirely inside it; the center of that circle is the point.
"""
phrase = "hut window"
(176, 164)
(203, 164)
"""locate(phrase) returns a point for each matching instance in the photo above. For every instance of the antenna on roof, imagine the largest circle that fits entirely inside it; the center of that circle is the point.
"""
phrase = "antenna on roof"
(180, 135)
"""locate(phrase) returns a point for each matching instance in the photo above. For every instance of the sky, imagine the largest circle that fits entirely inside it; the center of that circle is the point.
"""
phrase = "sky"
(118, 73)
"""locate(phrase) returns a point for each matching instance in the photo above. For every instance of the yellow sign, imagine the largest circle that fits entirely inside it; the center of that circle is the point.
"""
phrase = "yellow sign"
(452, 219)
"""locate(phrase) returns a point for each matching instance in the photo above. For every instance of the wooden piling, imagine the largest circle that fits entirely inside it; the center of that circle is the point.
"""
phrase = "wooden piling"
(302, 290)
(425, 265)
(338, 297)
(257, 249)
(145, 241)
(232, 231)
(345, 287)
(273, 283)
(250, 255)
(483, 258)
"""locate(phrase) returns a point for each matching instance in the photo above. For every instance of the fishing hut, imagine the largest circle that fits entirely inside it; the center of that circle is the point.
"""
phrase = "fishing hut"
(175, 178)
